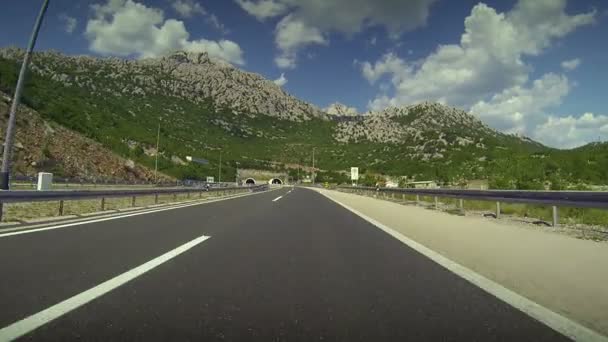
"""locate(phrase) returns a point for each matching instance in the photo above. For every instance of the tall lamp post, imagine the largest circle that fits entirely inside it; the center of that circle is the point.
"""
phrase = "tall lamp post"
(313, 165)
(157, 152)
(10, 128)
(219, 171)
(237, 174)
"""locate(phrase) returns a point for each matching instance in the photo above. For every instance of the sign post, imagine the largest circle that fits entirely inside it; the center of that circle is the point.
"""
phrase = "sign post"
(354, 175)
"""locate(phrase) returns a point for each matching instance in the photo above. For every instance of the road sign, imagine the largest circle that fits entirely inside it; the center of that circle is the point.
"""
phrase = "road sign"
(210, 180)
(354, 173)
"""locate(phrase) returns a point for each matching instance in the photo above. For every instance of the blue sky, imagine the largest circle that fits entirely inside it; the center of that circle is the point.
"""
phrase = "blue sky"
(533, 67)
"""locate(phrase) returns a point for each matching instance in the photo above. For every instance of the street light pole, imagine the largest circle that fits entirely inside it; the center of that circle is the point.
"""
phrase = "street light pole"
(313, 165)
(237, 174)
(219, 172)
(157, 152)
(10, 129)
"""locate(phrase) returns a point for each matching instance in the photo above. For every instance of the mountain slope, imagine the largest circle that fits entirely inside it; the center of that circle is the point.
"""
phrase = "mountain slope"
(45, 146)
(206, 106)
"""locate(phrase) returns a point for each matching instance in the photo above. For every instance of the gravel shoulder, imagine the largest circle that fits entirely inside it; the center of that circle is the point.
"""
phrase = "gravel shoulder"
(562, 273)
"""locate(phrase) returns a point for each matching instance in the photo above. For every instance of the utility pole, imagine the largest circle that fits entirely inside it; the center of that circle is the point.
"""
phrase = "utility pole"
(313, 165)
(10, 129)
(157, 152)
(237, 174)
(219, 172)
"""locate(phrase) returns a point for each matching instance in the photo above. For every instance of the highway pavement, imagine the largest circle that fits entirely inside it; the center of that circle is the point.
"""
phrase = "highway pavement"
(284, 265)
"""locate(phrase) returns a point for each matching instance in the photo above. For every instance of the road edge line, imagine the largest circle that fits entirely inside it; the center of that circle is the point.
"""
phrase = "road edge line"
(557, 322)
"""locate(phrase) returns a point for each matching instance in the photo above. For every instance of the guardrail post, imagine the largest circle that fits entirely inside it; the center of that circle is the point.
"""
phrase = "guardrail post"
(436, 203)
(61, 208)
(155, 198)
(103, 203)
(133, 201)
(417, 199)
(461, 205)
(555, 217)
(497, 210)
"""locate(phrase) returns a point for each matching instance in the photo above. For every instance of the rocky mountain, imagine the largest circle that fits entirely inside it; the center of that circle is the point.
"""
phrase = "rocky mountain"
(42, 145)
(193, 77)
(339, 109)
(205, 106)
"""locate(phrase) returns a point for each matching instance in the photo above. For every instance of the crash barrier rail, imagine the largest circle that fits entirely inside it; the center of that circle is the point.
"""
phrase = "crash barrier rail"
(94, 182)
(23, 196)
(555, 199)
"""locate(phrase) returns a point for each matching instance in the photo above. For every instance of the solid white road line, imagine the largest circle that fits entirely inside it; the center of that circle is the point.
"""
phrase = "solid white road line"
(552, 319)
(37, 320)
(278, 198)
(26, 230)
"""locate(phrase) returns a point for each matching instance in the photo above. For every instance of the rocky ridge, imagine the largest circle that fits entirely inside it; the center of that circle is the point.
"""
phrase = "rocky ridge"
(190, 76)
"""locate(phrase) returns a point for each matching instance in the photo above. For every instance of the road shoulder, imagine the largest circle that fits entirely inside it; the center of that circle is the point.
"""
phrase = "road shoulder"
(566, 275)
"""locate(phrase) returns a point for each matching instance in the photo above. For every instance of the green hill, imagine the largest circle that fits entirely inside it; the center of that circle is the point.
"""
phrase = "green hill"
(205, 106)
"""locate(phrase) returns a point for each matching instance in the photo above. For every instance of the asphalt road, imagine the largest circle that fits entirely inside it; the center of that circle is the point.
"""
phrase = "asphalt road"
(300, 268)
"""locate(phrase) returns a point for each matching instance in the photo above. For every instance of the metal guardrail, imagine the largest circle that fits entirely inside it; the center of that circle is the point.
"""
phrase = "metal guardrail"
(22, 196)
(578, 199)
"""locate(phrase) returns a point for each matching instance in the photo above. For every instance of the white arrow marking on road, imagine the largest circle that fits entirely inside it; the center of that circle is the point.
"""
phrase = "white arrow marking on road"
(278, 198)
(43, 317)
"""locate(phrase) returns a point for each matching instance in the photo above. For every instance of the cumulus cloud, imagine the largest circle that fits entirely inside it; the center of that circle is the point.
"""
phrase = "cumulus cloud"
(128, 28)
(571, 64)
(308, 22)
(292, 34)
(187, 8)
(518, 109)
(570, 131)
(70, 23)
(281, 81)
(489, 58)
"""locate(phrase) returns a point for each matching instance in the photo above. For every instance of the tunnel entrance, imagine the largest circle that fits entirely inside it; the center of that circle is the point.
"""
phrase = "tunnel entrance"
(276, 181)
(250, 181)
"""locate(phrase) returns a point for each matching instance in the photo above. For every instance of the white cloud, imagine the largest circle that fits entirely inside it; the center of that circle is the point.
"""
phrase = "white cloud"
(317, 18)
(569, 132)
(488, 60)
(571, 64)
(263, 9)
(519, 109)
(126, 28)
(281, 81)
(291, 35)
(212, 20)
(187, 8)
(69, 22)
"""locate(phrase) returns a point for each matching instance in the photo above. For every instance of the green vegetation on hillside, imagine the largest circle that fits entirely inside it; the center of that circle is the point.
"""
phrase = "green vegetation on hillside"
(127, 125)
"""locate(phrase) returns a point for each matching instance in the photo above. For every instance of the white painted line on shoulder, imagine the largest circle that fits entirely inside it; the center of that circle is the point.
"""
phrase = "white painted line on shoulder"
(43, 317)
(552, 319)
(278, 198)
